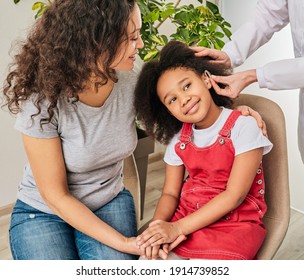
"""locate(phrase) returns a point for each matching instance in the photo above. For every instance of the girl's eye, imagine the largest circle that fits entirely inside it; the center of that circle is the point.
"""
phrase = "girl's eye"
(172, 100)
(186, 86)
(134, 39)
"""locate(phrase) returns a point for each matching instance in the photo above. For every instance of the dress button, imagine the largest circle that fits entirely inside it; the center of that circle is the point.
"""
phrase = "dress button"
(259, 171)
(182, 146)
(221, 141)
(261, 191)
(260, 182)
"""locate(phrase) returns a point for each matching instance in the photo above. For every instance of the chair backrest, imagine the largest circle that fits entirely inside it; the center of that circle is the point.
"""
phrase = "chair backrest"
(131, 181)
(275, 165)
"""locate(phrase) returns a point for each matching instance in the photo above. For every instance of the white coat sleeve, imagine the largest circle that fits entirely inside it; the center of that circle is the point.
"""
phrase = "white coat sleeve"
(270, 17)
(282, 74)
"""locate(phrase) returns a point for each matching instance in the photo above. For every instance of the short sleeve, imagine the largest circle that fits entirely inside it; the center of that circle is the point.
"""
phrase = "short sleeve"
(29, 125)
(171, 157)
(246, 136)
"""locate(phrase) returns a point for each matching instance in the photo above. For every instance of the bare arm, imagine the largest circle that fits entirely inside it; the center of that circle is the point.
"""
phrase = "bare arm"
(47, 163)
(169, 199)
(165, 209)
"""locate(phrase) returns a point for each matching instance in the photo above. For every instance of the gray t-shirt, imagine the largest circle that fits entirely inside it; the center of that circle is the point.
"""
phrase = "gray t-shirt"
(95, 141)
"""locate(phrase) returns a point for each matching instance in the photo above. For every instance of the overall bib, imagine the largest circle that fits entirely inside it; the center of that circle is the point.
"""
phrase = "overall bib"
(239, 234)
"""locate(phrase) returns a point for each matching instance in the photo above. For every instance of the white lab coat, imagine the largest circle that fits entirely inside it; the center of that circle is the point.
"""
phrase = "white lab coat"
(270, 17)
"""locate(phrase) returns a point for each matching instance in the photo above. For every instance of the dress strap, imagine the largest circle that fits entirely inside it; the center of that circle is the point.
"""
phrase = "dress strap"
(186, 133)
(225, 131)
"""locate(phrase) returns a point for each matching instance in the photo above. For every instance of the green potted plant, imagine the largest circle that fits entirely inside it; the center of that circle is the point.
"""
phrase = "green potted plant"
(200, 25)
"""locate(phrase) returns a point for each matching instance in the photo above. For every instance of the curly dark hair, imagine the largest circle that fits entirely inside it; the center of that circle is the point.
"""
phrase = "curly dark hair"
(151, 112)
(64, 49)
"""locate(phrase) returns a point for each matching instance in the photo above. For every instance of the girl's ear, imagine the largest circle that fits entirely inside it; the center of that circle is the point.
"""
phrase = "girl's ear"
(206, 78)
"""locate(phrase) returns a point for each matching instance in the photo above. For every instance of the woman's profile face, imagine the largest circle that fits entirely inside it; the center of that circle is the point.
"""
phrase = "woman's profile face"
(128, 49)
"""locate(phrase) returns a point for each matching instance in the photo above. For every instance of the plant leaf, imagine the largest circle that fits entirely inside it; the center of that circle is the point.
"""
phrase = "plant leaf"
(213, 8)
(38, 5)
(40, 12)
(151, 55)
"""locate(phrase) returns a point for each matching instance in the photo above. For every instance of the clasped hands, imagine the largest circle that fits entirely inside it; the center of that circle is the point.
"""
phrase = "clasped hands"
(159, 239)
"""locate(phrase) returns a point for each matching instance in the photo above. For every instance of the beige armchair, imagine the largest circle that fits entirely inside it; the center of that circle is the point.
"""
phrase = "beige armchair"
(276, 175)
(275, 166)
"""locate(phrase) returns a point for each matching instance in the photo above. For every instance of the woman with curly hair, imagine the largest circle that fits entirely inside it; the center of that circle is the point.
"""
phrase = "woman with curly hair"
(72, 86)
(221, 201)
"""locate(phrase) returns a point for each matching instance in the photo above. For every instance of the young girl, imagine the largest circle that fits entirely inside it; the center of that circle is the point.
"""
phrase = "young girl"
(220, 205)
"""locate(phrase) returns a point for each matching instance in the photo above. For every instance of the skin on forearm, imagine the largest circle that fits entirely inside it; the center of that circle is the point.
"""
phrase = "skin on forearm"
(171, 193)
(165, 207)
(249, 76)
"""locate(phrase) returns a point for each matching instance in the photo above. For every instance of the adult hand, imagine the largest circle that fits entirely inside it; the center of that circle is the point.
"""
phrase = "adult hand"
(248, 111)
(233, 84)
(219, 57)
(131, 247)
(152, 253)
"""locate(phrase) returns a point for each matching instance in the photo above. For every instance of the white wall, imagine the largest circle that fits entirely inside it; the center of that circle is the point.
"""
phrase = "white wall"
(280, 46)
(13, 22)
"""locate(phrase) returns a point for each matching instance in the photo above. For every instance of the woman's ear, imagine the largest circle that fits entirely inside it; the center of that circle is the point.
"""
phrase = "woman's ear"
(206, 78)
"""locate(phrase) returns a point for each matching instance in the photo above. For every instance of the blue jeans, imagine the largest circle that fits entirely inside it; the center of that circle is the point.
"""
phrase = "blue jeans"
(35, 235)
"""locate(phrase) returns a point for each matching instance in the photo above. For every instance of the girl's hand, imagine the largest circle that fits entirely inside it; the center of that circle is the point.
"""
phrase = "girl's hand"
(159, 232)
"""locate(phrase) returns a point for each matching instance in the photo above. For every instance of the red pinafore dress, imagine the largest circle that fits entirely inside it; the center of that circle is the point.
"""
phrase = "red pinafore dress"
(239, 234)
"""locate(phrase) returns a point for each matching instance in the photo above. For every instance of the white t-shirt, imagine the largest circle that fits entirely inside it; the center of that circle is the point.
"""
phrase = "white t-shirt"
(245, 136)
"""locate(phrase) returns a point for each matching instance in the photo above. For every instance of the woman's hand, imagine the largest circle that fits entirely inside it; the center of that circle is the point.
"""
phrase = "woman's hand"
(247, 111)
(131, 247)
(152, 253)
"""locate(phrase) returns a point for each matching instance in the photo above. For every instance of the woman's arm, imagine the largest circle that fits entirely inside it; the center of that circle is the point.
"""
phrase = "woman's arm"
(241, 177)
(46, 159)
